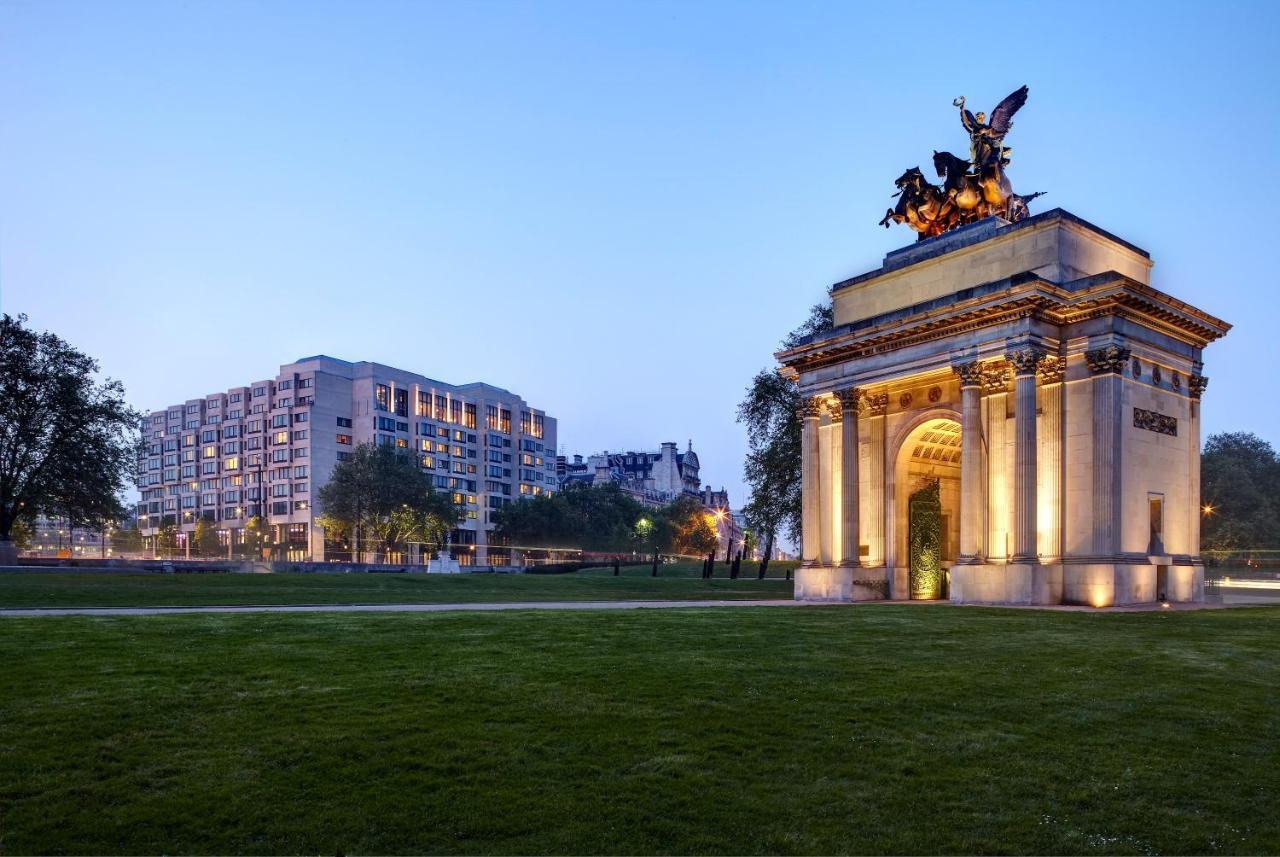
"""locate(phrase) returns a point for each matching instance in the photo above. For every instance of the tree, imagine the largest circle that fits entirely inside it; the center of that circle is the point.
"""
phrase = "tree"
(68, 443)
(126, 540)
(1239, 472)
(693, 530)
(379, 493)
(770, 412)
(257, 537)
(594, 518)
(22, 534)
(166, 540)
(204, 541)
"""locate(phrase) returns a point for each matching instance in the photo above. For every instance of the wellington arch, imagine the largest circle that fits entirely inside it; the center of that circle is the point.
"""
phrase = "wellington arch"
(1005, 413)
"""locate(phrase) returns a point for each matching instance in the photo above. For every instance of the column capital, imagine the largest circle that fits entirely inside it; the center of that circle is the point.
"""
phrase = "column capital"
(970, 373)
(1108, 360)
(1024, 359)
(1196, 385)
(995, 377)
(810, 408)
(849, 398)
(835, 410)
(1052, 369)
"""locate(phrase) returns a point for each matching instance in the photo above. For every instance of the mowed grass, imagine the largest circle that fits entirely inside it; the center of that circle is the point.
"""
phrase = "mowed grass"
(112, 589)
(876, 729)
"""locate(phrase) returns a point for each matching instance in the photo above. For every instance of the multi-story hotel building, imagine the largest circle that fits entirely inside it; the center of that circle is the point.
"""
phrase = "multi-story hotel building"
(264, 449)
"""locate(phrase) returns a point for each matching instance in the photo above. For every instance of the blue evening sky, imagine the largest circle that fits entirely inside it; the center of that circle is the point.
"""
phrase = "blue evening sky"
(614, 209)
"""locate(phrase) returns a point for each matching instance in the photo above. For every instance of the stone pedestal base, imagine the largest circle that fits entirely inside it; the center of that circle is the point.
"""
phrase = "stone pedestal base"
(1014, 583)
(443, 564)
(1118, 584)
(827, 583)
(8, 553)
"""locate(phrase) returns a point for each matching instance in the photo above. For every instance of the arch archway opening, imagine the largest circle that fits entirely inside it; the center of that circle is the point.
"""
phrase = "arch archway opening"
(927, 506)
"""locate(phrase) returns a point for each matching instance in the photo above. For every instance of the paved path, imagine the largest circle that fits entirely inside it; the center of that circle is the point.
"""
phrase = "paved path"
(399, 608)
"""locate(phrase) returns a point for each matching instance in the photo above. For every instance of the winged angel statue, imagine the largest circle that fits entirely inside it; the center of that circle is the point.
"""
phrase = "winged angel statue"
(973, 188)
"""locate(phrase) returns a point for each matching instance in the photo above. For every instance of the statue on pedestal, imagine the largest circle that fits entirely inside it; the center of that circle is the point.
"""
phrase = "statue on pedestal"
(974, 188)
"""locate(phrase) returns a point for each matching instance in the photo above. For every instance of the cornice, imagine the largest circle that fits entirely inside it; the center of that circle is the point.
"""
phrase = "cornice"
(1098, 296)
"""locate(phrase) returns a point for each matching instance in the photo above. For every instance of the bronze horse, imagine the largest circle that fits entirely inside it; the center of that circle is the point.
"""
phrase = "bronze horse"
(961, 186)
(922, 206)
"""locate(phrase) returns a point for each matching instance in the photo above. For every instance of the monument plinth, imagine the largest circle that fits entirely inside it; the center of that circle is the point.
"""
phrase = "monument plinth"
(1031, 371)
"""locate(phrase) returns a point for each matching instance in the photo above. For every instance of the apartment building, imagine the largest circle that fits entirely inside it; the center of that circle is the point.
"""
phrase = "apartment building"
(265, 449)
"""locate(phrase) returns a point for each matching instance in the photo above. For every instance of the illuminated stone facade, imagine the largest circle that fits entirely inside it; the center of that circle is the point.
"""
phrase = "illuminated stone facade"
(265, 449)
(1032, 371)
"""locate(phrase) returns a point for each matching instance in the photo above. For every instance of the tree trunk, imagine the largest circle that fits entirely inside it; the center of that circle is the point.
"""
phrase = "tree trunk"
(711, 565)
(655, 564)
(764, 559)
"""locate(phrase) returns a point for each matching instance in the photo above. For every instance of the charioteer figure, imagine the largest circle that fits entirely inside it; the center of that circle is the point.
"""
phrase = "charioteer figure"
(974, 189)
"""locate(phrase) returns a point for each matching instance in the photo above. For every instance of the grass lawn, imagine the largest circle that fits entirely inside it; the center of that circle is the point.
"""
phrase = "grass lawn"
(880, 729)
(679, 581)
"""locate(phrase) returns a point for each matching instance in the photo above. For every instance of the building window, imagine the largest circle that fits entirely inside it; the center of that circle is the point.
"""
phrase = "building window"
(304, 383)
(402, 403)
(382, 397)
(259, 391)
(424, 405)
(284, 385)
(344, 422)
(491, 417)
(344, 439)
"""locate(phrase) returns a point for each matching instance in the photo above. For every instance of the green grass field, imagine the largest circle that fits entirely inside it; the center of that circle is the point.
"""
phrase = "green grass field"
(879, 729)
(678, 581)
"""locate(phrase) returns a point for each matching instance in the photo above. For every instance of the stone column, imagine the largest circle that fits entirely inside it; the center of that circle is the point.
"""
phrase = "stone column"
(1195, 387)
(876, 407)
(1024, 361)
(1049, 476)
(810, 489)
(971, 520)
(995, 385)
(849, 505)
(829, 484)
(1106, 365)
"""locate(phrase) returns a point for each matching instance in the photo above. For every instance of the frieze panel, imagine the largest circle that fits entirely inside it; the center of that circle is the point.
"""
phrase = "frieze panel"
(1152, 421)
(876, 405)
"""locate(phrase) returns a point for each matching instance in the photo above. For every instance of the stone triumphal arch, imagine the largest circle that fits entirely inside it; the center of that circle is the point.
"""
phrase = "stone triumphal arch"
(1006, 413)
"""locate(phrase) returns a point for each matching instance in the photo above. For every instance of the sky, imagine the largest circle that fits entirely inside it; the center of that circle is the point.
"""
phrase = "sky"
(614, 209)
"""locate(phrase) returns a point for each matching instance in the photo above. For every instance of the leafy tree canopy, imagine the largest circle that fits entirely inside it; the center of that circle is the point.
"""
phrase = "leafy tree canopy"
(68, 442)
(593, 518)
(380, 494)
(1239, 472)
(772, 469)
